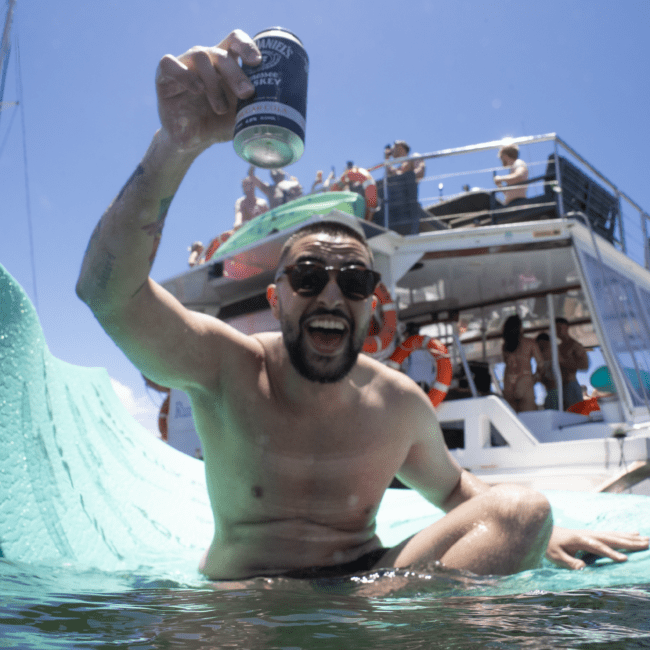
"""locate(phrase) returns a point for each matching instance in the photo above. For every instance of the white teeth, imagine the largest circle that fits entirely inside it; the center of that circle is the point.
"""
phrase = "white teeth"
(327, 324)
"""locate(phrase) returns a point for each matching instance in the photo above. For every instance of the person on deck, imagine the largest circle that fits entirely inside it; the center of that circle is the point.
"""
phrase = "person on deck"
(518, 378)
(301, 434)
(518, 175)
(400, 149)
(196, 250)
(546, 374)
(282, 190)
(320, 185)
(248, 206)
(572, 357)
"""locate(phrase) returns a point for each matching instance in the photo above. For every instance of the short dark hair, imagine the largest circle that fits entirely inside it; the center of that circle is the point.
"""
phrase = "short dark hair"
(332, 228)
(561, 321)
(511, 150)
(543, 336)
(403, 144)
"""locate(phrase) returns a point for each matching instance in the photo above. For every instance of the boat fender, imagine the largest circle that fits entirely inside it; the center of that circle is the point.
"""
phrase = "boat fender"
(357, 179)
(438, 351)
(377, 342)
(163, 416)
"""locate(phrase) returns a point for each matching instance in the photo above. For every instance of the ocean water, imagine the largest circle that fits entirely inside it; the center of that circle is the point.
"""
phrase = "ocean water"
(57, 608)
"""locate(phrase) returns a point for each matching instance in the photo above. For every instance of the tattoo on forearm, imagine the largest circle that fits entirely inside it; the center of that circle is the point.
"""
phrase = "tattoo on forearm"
(139, 170)
(105, 275)
(155, 227)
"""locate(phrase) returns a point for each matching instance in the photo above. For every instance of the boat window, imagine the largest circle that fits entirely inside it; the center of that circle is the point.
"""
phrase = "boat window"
(624, 310)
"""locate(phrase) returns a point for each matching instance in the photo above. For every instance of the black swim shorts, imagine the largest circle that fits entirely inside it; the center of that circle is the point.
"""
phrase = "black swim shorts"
(361, 565)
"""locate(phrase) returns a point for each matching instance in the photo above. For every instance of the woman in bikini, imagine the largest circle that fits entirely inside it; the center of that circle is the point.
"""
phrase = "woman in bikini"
(518, 378)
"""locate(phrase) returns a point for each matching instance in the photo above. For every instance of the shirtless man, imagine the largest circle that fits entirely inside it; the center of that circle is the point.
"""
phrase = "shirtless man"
(545, 374)
(248, 206)
(282, 190)
(572, 357)
(509, 156)
(301, 436)
(400, 149)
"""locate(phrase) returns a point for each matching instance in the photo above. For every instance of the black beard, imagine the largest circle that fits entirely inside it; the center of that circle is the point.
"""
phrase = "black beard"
(295, 345)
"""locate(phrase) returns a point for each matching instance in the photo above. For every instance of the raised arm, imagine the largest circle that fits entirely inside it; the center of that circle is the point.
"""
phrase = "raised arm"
(265, 188)
(197, 95)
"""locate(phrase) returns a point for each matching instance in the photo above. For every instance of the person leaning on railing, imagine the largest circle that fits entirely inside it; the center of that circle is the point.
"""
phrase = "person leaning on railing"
(400, 150)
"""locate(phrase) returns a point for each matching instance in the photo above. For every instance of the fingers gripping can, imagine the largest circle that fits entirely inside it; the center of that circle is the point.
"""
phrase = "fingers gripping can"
(270, 126)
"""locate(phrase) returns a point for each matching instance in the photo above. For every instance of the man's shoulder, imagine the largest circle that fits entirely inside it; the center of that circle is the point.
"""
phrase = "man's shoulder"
(393, 385)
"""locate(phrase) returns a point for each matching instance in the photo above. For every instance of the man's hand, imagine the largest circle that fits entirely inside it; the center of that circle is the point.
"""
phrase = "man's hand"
(565, 544)
(198, 91)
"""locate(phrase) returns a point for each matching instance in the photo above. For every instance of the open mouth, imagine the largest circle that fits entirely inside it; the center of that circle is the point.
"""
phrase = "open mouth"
(326, 334)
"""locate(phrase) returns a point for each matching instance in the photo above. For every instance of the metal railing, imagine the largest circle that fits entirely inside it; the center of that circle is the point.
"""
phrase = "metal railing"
(461, 180)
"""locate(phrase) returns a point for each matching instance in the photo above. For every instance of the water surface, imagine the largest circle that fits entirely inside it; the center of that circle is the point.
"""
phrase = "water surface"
(56, 608)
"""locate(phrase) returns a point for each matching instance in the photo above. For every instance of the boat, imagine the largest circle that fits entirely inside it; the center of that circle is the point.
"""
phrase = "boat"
(456, 265)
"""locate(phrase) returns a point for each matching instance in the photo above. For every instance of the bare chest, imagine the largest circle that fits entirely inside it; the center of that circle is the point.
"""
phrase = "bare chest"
(331, 466)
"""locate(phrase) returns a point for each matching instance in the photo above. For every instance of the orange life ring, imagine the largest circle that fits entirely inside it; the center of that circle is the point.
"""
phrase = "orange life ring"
(215, 243)
(379, 341)
(360, 176)
(439, 352)
(163, 416)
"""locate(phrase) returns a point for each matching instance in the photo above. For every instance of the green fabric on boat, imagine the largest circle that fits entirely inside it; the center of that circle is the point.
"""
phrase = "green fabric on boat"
(83, 484)
(291, 214)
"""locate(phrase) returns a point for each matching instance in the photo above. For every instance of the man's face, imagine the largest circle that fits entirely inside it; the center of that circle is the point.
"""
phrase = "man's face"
(506, 160)
(562, 330)
(399, 151)
(324, 334)
(248, 185)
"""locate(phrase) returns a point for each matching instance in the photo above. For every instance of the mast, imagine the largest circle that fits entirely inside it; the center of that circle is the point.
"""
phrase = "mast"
(5, 48)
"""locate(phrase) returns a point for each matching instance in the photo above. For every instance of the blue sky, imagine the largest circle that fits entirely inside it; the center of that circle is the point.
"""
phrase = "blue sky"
(436, 74)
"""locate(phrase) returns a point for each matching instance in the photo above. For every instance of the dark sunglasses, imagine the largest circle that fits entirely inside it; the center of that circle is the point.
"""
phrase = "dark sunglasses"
(308, 279)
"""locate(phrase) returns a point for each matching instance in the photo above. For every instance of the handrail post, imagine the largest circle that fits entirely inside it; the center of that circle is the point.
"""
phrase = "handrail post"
(621, 230)
(558, 179)
(385, 182)
(555, 359)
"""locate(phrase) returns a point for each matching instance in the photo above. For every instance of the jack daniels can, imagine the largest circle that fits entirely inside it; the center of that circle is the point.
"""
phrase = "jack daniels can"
(270, 125)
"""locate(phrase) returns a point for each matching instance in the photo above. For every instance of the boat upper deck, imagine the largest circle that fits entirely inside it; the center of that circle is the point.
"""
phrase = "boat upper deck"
(459, 263)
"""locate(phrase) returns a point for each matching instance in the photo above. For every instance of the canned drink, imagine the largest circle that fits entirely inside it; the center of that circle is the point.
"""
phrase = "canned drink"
(270, 125)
